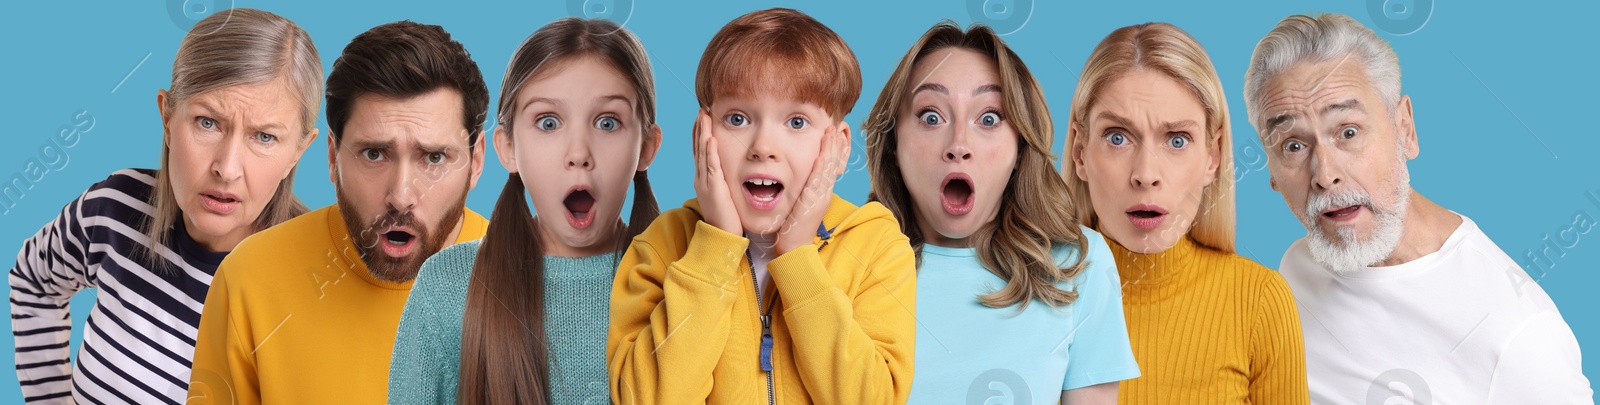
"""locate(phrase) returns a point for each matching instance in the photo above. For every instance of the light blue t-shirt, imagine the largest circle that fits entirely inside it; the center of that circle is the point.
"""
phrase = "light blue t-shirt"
(973, 354)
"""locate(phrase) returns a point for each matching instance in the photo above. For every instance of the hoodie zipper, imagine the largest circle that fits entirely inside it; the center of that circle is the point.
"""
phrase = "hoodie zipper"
(766, 329)
(766, 315)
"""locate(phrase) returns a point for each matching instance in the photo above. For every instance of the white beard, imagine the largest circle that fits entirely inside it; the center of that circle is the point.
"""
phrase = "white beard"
(1350, 253)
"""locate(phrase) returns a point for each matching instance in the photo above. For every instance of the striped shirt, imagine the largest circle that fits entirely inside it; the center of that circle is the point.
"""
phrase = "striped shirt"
(139, 339)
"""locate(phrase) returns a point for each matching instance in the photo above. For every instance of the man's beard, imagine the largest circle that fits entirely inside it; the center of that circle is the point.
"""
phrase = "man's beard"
(1350, 253)
(367, 236)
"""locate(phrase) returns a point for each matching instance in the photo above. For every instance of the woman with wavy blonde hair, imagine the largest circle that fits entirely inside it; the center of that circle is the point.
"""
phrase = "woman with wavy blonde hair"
(958, 146)
(1151, 168)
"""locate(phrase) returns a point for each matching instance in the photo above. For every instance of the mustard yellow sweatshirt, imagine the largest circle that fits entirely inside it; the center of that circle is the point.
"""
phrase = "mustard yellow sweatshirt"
(294, 317)
(686, 328)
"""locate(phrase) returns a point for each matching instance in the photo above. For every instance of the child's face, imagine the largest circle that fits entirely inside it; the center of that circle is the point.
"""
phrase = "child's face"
(578, 141)
(955, 148)
(767, 145)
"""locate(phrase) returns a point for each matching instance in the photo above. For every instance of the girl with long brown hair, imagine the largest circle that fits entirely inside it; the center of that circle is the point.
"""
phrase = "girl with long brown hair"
(576, 123)
(1011, 290)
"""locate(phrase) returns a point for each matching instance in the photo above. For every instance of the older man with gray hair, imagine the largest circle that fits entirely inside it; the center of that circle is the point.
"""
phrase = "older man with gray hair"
(1400, 298)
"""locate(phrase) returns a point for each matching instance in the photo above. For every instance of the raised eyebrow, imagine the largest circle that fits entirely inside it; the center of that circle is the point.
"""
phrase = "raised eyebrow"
(616, 97)
(1173, 126)
(432, 148)
(1347, 105)
(1273, 124)
(537, 100)
(988, 88)
(934, 87)
(361, 144)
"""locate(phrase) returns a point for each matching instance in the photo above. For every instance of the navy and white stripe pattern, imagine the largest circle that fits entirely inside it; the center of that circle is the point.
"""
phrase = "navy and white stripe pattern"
(139, 340)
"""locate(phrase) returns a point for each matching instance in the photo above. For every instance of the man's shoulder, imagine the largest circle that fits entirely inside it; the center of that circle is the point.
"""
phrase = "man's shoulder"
(448, 270)
(1297, 265)
(302, 238)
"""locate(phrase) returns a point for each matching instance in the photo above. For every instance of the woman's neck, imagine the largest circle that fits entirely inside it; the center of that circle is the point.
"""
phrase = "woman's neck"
(1156, 267)
(216, 243)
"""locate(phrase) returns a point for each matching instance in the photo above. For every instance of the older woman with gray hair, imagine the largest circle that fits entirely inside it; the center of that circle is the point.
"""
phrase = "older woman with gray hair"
(241, 110)
(1401, 298)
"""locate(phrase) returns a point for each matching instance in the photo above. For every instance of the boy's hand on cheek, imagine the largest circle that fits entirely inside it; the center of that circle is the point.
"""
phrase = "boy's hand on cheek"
(800, 225)
(710, 185)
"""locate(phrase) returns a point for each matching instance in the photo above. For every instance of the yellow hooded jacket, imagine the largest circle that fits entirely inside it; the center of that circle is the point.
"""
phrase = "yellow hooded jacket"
(686, 327)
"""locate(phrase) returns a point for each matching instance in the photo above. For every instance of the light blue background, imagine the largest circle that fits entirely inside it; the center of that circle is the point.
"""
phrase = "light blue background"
(1502, 94)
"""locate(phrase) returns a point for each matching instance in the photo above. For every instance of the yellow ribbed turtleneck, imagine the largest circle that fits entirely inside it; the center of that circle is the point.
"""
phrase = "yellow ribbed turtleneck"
(1209, 327)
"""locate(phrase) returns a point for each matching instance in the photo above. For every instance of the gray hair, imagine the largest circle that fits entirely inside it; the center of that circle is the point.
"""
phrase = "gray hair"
(1304, 39)
(237, 47)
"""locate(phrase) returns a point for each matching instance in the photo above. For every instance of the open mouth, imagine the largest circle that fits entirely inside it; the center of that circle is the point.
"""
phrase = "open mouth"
(763, 192)
(221, 203)
(956, 194)
(580, 208)
(1342, 213)
(1146, 216)
(398, 243)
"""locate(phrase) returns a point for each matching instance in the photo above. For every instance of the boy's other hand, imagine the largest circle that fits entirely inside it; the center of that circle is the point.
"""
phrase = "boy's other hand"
(800, 226)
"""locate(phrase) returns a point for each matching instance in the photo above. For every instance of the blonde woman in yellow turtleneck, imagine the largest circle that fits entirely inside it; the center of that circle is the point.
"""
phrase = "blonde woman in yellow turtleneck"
(1150, 167)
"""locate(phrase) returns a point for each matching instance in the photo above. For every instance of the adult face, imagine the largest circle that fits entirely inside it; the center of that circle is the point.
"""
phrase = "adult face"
(955, 149)
(1147, 156)
(402, 169)
(1338, 155)
(229, 149)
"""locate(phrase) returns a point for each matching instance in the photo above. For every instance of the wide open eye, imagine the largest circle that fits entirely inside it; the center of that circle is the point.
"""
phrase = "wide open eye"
(548, 123)
(1116, 139)
(989, 119)
(607, 124)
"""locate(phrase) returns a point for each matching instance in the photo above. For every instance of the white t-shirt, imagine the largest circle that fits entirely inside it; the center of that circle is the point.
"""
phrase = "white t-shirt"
(1463, 325)
(763, 249)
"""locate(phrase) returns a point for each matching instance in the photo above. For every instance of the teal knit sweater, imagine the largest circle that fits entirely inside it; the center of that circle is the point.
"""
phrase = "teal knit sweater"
(427, 347)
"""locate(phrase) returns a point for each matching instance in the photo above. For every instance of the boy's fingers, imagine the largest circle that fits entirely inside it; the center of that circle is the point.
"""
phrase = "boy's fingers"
(697, 135)
(713, 159)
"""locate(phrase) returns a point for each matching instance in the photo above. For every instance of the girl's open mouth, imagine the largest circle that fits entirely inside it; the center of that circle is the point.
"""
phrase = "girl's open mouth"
(580, 208)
